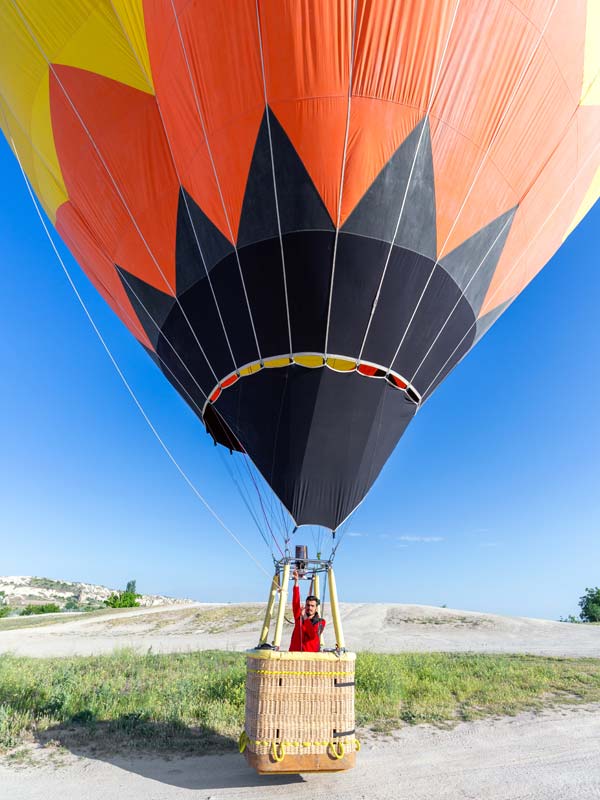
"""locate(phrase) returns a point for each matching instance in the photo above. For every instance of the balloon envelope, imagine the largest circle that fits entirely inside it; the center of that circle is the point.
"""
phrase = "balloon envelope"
(307, 216)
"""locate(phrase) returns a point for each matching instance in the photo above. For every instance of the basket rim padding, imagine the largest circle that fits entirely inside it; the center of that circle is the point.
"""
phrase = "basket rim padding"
(286, 655)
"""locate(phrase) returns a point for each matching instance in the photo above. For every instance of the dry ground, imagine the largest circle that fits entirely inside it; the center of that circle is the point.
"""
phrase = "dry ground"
(373, 626)
(549, 756)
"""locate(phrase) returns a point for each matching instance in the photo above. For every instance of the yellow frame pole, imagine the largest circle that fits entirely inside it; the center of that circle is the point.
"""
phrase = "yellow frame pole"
(340, 642)
(282, 603)
(264, 634)
(314, 589)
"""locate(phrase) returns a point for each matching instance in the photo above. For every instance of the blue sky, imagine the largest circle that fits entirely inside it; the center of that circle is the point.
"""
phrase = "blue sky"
(489, 503)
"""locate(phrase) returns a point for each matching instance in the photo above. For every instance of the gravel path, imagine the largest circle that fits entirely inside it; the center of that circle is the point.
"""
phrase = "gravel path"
(547, 756)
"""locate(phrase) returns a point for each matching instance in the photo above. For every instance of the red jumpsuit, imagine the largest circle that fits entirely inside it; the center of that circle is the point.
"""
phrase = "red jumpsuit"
(306, 635)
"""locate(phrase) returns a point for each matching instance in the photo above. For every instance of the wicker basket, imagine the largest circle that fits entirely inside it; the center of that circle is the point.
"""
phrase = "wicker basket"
(299, 712)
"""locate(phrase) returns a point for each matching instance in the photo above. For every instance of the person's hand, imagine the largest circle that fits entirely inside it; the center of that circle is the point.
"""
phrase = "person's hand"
(295, 575)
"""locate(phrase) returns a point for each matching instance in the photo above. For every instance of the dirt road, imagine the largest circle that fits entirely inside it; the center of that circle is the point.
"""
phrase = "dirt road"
(368, 626)
(548, 756)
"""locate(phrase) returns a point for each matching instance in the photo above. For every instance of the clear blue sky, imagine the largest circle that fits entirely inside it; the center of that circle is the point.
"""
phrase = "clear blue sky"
(489, 503)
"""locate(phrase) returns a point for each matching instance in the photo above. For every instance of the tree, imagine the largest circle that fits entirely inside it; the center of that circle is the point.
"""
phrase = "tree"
(590, 605)
(122, 600)
(4, 607)
(131, 587)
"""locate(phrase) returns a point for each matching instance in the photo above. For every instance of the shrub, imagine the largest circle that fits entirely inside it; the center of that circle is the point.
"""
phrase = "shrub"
(590, 605)
(49, 583)
(123, 600)
(4, 611)
(46, 608)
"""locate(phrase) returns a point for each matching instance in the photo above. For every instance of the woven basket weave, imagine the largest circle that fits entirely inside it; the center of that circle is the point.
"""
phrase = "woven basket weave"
(299, 711)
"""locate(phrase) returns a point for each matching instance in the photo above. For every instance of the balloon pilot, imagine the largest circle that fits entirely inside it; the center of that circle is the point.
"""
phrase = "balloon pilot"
(308, 625)
(307, 620)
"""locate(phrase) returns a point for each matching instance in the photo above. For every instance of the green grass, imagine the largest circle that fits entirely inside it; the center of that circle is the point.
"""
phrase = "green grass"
(49, 583)
(443, 688)
(195, 702)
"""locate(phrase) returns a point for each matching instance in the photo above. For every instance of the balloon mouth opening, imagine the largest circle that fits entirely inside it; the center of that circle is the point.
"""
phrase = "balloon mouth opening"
(337, 363)
(318, 438)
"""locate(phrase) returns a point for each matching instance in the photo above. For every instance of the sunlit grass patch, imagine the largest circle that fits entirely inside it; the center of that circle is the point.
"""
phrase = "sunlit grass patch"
(445, 687)
(194, 702)
(179, 701)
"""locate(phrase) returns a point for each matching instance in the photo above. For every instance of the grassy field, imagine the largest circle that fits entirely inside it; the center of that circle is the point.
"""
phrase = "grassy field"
(195, 702)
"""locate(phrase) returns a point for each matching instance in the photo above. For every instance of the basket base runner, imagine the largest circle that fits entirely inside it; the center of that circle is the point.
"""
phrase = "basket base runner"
(293, 764)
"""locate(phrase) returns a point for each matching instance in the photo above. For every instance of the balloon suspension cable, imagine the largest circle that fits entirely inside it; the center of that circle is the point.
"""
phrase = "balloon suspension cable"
(488, 150)
(242, 490)
(112, 179)
(260, 499)
(198, 107)
(425, 394)
(305, 566)
(324, 593)
(128, 318)
(342, 172)
(428, 110)
(119, 372)
(341, 530)
(183, 193)
(309, 569)
(175, 379)
(289, 536)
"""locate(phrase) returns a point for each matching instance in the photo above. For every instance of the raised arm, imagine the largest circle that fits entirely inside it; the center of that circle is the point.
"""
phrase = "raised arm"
(296, 604)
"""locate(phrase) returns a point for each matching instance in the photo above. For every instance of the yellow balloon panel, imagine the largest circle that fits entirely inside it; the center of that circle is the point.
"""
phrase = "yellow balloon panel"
(88, 35)
(592, 195)
(46, 183)
(131, 16)
(590, 95)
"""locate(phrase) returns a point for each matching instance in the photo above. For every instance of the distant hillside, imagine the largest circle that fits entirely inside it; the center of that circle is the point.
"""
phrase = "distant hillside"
(28, 590)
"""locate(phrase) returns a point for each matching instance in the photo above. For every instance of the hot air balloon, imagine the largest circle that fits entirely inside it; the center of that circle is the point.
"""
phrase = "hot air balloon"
(307, 214)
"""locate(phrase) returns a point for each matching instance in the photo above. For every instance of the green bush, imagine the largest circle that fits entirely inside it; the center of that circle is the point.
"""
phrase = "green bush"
(590, 605)
(46, 608)
(123, 600)
(4, 611)
(49, 583)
